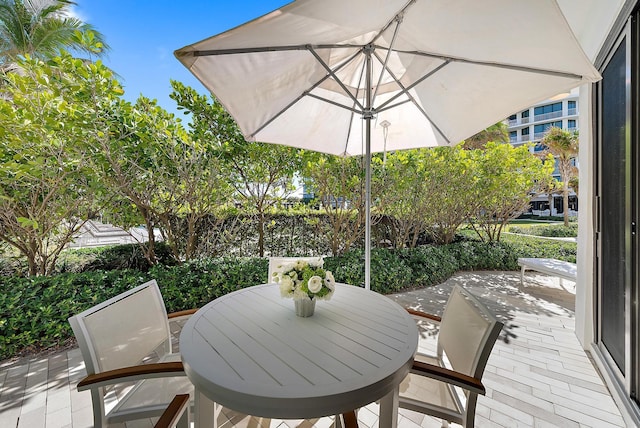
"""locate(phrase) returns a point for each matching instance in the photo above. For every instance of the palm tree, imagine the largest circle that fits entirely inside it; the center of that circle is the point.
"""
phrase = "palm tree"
(497, 133)
(40, 28)
(563, 145)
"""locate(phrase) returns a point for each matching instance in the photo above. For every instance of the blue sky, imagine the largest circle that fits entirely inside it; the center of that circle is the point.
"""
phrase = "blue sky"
(144, 34)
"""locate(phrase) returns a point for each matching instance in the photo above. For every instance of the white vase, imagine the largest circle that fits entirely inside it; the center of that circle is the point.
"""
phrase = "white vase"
(305, 307)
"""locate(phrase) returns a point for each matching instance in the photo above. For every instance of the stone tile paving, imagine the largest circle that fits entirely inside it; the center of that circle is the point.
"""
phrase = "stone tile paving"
(537, 375)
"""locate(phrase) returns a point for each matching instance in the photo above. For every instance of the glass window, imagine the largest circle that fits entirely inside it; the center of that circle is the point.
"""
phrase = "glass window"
(512, 117)
(525, 113)
(571, 124)
(525, 131)
(571, 104)
(513, 134)
(542, 127)
(549, 108)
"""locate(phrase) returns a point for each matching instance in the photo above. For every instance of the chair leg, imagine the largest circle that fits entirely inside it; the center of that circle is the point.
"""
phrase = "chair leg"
(347, 420)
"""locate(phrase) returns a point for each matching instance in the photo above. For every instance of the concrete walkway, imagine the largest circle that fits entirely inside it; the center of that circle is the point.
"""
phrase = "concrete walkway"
(537, 375)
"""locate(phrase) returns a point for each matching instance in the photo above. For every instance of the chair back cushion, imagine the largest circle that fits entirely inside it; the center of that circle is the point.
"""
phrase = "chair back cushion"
(123, 330)
(468, 332)
(276, 264)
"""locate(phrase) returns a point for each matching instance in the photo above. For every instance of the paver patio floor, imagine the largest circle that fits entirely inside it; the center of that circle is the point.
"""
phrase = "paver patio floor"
(536, 376)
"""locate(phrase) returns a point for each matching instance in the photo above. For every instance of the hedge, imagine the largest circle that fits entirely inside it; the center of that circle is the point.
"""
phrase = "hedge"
(34, 310)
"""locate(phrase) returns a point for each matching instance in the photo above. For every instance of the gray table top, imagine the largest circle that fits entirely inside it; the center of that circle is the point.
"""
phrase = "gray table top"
(249, 351)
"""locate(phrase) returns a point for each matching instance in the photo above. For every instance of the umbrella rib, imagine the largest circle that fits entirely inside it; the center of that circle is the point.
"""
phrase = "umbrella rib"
(335, 103)
(336, 78)
(380, 110)
(405, 90)
(492, 64)
(358, 86)
(307, 93)
(388, 24)
(398, 20)
(260, 49)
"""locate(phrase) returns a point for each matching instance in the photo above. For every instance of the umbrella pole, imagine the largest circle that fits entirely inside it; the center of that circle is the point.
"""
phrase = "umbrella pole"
(367, 230)
(368, 116)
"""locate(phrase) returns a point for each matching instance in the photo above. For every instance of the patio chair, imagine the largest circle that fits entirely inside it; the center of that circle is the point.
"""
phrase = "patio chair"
(125, 342)
(277, 263)
(446, 385)
(176, 415)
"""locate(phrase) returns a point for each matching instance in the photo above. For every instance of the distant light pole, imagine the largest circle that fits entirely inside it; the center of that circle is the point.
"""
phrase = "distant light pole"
(385, 132)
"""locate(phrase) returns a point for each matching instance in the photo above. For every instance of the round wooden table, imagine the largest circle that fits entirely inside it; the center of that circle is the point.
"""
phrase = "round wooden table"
(248, 351)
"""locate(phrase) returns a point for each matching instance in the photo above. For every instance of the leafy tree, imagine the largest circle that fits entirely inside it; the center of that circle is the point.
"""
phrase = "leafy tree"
(40, 28)
(428, 191)
(125, 156)
(261, 174)
(338, 184)
(163, 178)
(563, 145)
(401, 195)
(449, 174)
(505, 178)
(46, 185)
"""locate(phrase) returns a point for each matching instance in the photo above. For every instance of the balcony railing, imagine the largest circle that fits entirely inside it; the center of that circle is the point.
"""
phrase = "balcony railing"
(538, 135)
(517, 140)
(548, 116)
(572, 112)
(521, 121)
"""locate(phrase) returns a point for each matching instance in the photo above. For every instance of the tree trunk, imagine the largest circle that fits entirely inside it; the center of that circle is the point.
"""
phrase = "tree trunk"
(33, 267)
(191, 238)
(261, 234)
(565, 202)
(150, 253)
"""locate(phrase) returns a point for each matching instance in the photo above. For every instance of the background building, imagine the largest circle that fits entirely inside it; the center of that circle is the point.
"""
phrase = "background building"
(530, 125)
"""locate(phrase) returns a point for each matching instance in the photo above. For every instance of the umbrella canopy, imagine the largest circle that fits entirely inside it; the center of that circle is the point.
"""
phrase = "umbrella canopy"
(420, 73)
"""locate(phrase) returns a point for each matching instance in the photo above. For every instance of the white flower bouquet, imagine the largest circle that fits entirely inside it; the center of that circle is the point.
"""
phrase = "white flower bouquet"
(305, 280)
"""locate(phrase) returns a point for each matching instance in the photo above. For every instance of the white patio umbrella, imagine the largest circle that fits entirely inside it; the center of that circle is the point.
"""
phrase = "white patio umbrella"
(352, 77)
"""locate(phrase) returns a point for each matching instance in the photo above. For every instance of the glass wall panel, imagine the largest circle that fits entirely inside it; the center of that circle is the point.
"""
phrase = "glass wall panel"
(613, 211)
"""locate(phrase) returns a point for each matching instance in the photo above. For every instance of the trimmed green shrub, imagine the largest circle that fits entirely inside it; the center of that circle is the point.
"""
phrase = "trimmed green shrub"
(115, 257)
(552, 231)
(558, 231)
(34, 310)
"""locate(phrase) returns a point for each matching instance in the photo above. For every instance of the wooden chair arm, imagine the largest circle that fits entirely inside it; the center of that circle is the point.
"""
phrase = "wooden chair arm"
(181, 313)
(449, 376)
(130, 374)
(173, 412)
(350, 420)
(424, 315)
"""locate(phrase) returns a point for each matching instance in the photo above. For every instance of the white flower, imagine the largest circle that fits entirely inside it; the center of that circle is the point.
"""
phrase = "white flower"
(275, 277)
(330, 281)
(318, 263)
(315, 284)
(286, 286)
(298, 294)
(319, 285)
